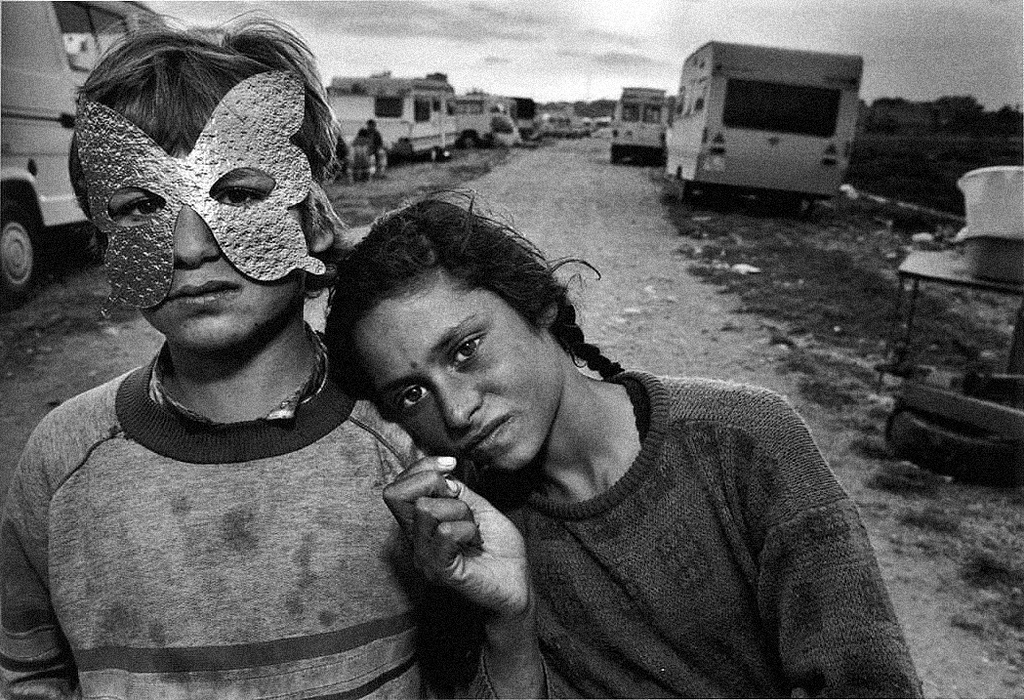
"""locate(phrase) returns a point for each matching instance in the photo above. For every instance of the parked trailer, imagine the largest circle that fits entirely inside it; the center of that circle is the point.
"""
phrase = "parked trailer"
(412, 114)
(475, 117)
(763, 119)
(48, 49)
(638, 126)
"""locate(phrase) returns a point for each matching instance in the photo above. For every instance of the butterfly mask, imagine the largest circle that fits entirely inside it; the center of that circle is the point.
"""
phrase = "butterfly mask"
(248, 130)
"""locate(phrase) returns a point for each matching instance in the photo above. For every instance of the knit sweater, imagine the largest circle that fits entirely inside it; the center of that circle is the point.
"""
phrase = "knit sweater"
(147, 556)
(727, 562)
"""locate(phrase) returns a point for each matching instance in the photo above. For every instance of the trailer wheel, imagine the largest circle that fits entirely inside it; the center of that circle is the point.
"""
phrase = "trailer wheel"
(961, 452)
(17, 252)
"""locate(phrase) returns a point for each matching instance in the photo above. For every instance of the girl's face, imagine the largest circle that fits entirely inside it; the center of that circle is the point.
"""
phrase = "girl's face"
(463, 372)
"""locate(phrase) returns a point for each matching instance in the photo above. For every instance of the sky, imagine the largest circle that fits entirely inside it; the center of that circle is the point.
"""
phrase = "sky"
(570, 50)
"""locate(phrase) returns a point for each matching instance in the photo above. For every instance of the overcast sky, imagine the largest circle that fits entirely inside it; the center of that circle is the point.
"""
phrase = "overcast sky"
(589, 49)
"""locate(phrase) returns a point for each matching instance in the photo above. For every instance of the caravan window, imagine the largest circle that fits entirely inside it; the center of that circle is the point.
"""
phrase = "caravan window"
(652, 114)
(789, 109)
(387, 107)
(87, 31)
(630, 112)
(421, 110)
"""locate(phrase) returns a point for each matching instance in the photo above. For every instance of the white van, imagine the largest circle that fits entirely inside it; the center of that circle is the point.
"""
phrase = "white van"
(638, 126)
(475, 114)
(411, 114)
(48, 49)
(764, 119)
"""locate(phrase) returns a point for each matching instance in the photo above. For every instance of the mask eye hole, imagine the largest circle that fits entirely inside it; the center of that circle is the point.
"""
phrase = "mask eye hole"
(242, 187)
(132, 206)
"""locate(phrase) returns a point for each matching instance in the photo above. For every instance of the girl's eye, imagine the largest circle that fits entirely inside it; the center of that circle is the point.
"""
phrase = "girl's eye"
(134, 206)
(466, 350)
(242, 187)
(410, 397)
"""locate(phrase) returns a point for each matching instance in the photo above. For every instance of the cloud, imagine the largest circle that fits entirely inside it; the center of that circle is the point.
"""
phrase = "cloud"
(467, 23)
(615, 60)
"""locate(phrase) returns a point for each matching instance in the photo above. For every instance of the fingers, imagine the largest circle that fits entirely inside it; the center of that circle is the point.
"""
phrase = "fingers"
(426, 478)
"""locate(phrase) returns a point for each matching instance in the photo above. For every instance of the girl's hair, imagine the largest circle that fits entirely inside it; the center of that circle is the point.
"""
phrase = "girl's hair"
(446, 231)
(168, 81)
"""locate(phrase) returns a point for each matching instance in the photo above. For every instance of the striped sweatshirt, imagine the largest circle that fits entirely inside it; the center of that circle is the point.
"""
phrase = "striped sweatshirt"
(146, 556)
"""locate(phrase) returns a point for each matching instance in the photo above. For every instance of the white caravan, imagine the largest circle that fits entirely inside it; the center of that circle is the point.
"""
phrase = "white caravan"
(475, 114)
(763, 119)
(48, 49)
(638, 126)
(412, 114)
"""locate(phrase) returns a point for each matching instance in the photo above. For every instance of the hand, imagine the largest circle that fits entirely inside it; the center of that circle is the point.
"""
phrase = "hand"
(460, 540)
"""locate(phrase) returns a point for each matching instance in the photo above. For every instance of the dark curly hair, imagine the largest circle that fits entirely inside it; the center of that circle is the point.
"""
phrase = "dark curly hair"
(448, 231)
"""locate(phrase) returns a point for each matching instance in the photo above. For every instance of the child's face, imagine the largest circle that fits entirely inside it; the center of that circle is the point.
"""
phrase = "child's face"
(464, 373)
(211, 307)
(243, 178)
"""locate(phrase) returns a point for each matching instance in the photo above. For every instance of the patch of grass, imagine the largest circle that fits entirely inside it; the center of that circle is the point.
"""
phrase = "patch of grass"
(924, 169)
(985, 568)
(834, 278)
(872, 447)
(905, 479)
(932, 518)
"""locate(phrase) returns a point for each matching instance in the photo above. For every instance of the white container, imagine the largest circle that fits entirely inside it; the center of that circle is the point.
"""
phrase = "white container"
(993, 239)
(994, 201)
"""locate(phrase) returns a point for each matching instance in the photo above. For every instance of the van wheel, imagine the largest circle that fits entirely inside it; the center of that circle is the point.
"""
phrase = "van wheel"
(17, 253)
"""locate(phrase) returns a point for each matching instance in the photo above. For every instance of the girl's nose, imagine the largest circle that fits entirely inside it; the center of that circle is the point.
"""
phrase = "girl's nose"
(459, 401)
(194, 243)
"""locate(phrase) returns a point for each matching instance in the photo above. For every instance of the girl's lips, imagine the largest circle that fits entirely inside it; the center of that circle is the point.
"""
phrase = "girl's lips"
(486, 437)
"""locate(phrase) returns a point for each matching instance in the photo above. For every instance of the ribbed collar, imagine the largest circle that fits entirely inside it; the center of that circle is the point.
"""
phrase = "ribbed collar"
(650, 449)
(172, 435)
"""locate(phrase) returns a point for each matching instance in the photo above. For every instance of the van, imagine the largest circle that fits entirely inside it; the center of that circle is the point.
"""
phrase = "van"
(48, 49)
(764, 120)
(475, 117)
(638, 126)
(413, 115)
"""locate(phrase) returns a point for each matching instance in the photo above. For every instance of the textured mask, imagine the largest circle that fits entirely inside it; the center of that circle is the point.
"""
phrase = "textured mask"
(249, 129)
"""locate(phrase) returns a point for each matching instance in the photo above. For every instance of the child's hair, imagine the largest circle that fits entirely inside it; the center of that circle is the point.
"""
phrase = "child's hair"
(168, 81)
(446, 231)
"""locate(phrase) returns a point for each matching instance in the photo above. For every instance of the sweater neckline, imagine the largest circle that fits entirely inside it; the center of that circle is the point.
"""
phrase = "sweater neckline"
(177, 437)
(650, 448)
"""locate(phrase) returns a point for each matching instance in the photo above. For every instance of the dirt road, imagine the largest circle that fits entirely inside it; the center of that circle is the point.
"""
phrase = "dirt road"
(647, 312)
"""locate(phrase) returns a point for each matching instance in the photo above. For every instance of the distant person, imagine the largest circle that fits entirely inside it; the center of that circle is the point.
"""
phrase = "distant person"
(653, 536)
(375, 146)
(209, 525)
(343, 170)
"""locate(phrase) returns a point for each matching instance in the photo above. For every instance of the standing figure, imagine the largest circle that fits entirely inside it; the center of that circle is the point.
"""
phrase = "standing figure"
(624, 536)
(374, 144)
(209, 525)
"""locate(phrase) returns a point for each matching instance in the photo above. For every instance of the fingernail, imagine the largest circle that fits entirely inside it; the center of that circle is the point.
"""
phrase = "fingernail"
(453, 486)
(446, 463)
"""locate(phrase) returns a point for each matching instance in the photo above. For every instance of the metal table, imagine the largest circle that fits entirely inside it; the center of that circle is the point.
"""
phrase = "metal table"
(949, 267)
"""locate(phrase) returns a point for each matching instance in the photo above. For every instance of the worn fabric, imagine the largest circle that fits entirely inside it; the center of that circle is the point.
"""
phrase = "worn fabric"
(148, 556)
(727, 562)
